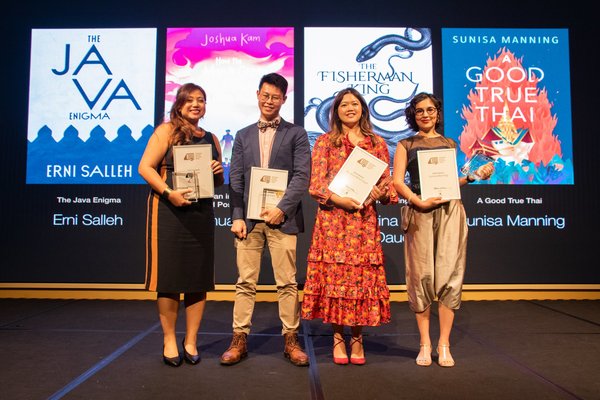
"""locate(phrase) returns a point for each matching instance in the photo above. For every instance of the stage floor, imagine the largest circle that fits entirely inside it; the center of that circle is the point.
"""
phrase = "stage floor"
(106, 349)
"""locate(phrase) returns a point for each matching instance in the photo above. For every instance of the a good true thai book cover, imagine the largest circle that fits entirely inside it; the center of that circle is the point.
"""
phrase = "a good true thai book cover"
(507, 95)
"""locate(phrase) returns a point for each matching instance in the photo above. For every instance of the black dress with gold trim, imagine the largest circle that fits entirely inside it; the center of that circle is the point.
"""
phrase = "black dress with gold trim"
(180, 240)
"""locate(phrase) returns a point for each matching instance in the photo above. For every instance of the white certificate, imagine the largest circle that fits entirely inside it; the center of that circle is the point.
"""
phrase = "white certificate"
(358, 175)
(191, 164)
(438, 174)
(267, 187)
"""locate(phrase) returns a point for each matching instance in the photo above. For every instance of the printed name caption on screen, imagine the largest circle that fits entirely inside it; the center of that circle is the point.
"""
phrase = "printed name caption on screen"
(89, 171)
(519, 221)
(509, 200)
(515, 220)
(87, 220)
(221, 200)
(385, 222)
(88, 200)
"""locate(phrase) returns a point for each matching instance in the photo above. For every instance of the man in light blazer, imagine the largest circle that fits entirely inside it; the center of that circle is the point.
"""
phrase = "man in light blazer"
(277, 144)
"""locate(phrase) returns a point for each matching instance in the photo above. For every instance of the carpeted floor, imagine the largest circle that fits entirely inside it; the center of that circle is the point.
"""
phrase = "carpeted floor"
(103, 349)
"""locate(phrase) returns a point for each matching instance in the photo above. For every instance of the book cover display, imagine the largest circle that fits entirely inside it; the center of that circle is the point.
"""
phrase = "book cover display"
(228, 64)
(507, 95)
(91, 104)
(388, 66)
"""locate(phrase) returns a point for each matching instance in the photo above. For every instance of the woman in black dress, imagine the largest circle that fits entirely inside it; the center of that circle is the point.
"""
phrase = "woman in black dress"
(180, 232)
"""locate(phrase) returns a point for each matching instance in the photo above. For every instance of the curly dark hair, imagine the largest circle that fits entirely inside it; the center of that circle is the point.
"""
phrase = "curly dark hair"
(410, 111)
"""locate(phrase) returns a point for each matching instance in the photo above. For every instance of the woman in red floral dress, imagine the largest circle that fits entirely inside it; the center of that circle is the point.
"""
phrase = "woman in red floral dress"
(345, 278)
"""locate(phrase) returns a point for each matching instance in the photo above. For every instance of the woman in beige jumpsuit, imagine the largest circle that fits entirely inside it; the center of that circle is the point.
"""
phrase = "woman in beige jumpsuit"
(436, 239)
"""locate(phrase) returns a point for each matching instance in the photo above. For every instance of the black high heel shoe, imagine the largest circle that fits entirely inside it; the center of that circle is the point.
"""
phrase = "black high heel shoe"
(190, 359)
(172, 361)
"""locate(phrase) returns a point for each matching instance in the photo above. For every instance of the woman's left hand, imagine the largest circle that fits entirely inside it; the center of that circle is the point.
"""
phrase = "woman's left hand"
(217, 167)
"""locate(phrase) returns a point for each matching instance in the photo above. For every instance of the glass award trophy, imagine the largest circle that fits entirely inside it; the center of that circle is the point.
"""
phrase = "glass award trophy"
(472, 166)
(187, 180)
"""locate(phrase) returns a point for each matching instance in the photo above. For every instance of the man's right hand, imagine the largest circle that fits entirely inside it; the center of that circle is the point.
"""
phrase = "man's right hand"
(238, 227)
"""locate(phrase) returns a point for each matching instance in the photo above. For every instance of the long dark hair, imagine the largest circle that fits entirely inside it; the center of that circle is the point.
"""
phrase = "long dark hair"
(410, 111)
(335, 123)
(183, 130)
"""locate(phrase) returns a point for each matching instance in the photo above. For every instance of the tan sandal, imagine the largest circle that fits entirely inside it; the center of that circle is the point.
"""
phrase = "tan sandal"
(424, 357)
(444, 357)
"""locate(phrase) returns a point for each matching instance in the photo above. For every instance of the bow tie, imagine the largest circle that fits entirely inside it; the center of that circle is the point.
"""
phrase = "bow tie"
(262, 126)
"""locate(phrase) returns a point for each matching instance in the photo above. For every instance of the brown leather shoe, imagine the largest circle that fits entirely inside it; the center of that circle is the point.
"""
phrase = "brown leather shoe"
(236, 351)
(293, 351)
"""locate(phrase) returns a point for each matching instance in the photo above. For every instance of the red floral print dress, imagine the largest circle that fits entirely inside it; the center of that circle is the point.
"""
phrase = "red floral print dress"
(345, 277)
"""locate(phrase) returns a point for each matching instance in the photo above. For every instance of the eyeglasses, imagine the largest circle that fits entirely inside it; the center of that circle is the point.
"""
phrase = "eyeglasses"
(430, 111)
(273, 97)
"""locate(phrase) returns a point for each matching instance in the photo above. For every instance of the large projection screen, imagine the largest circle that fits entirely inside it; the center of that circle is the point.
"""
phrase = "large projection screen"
(86, 86)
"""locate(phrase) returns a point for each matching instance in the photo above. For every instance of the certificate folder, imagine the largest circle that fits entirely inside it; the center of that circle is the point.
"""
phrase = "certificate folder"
(267, 187)
(359, 173)
(191, 164)
(438, 174)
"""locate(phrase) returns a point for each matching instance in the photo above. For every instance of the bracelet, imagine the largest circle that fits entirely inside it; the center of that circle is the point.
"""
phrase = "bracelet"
(165, 194)
(469, 179)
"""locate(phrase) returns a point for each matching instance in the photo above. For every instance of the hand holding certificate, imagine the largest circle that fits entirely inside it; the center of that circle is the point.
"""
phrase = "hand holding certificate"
(192, 170)
(438, 174)
(359, 173)
(267, 187)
